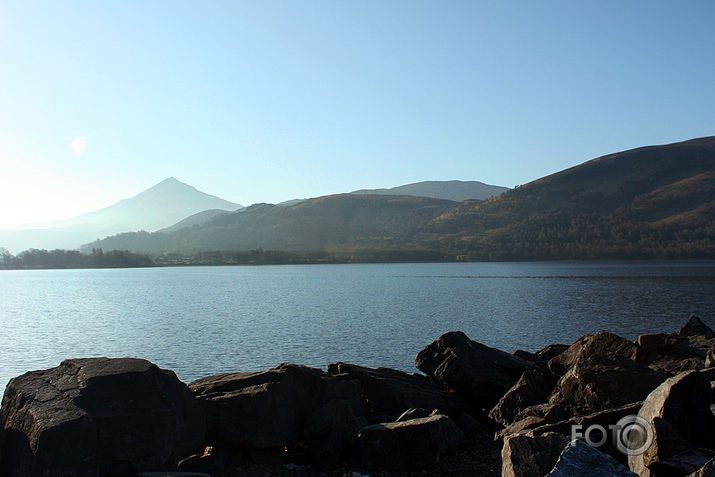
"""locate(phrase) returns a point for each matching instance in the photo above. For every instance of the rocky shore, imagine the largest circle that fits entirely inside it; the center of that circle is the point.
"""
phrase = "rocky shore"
(635, 408)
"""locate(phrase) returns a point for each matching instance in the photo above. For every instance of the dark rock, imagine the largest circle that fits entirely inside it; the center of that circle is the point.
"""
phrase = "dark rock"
(678, 412)
(476, 371)
(526, 455)
(468, 424)
(586, 346)
(599, 382)
(531, 389)
(581, 460)
(682, 464)
(708, 470)
(411, 445)
(695, 327)
(331, 431)
(389, 392)
(93, 416)
(270, 409)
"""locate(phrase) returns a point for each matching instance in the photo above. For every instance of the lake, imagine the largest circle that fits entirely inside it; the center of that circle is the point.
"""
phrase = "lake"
(199, 321)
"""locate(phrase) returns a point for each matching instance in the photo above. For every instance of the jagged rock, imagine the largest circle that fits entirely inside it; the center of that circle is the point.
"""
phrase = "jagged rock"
(599, 382)
(476, 371)
(96, 415)
(525, 455)
(581, 460)
(695, 327)
(270, 409)
(389, 392)
(415, 444)
(531, 389)
(331, 431)
(586, 346)
(678, 412)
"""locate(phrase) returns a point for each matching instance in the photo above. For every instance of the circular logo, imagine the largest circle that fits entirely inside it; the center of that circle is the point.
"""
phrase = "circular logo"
(635, 435)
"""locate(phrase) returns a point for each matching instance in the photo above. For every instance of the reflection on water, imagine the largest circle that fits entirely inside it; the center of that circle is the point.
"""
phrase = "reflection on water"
(205, 320)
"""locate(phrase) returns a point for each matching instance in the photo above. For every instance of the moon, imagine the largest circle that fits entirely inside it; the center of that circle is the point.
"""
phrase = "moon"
(79, 144)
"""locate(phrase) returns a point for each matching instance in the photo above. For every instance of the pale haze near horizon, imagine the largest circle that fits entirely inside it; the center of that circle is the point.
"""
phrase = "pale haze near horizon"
(271, 101)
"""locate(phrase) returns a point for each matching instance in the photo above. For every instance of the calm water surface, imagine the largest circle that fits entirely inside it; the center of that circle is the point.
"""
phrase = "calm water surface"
(206, 320)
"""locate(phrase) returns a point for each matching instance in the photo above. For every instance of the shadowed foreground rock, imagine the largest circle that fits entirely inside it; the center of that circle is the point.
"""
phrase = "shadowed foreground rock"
(478, 372)
(97, 415)
(683, 426)
(414, 444)
(581, 460)
(281, 407)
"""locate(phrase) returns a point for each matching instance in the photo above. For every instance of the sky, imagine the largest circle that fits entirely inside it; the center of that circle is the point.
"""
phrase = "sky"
(275, 100)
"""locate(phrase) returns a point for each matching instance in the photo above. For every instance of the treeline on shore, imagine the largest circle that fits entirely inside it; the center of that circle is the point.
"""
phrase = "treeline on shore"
(67, 259)
(60, 259)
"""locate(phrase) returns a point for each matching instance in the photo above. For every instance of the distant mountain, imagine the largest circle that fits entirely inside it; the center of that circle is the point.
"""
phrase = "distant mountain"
(161, 206)
(449, 190)
(651, 202)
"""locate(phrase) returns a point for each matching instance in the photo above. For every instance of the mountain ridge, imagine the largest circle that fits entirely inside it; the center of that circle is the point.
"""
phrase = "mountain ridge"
(648, 202)
(450, 190)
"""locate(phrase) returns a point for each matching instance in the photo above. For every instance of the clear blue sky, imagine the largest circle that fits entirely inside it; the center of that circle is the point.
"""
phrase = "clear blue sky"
(265, 101)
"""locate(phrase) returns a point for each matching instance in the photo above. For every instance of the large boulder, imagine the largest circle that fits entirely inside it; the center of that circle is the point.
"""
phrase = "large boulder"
(586, 346)
(273, 409)
(411, 445)
(389, 392)
(532, 388)
(476, 371)
(598, 382)
(581, 460)
(679, 417)
(96, 415)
